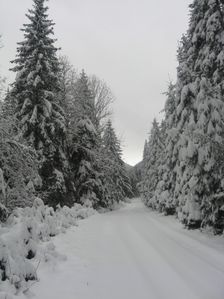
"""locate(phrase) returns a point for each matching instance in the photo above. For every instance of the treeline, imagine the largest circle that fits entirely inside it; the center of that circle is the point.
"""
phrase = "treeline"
(183, 157)
(56, 139)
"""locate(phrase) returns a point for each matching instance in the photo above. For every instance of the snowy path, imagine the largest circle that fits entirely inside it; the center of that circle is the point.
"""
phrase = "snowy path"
(134, 253)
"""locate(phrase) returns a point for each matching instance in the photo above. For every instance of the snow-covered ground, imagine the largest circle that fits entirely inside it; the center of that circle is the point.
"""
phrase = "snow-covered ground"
(133, 253)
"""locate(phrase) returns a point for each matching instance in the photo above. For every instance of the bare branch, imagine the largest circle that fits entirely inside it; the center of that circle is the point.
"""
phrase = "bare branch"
(103, 99)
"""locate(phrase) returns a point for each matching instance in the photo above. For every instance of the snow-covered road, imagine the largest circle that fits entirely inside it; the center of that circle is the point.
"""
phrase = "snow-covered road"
(133, 253)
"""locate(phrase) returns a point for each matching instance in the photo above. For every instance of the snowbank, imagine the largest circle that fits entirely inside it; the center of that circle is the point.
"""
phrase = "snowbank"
(25, 243)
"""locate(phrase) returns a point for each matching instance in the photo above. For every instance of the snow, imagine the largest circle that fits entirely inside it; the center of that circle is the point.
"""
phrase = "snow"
(33, 118)
(133, 253)
(25, 241)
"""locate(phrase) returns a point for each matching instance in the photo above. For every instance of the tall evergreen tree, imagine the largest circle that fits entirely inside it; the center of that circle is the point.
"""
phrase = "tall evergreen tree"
(2, 87)
(153, 157)
(166, 169)
(190, 177)
(117, 178)
(143, 186)
(84, 145)
(8, 106)
(67, 81)
(40, 115)
(199, 177)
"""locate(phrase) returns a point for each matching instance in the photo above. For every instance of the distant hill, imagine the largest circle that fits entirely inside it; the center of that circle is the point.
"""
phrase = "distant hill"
(128, 167)
(135, 175)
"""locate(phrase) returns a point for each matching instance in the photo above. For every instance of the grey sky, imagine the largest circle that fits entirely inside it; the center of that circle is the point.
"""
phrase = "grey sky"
(131, 44)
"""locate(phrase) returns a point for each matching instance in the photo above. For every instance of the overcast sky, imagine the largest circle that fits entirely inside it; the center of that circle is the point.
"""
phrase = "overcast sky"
(131, 44)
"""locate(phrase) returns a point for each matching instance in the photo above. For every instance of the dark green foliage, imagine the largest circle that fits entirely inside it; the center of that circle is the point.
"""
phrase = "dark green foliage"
(84, 145)
(118, 180)
(41, 118)
(190, 170)
(60, 120)
(135, 174)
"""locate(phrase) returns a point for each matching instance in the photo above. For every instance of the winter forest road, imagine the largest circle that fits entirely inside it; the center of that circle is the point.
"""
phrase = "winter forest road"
(134, 253)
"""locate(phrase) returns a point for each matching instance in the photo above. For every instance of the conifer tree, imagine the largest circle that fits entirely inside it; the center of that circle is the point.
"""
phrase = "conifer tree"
(150, 180)
(67, 81)
(166, 169)
(2, 85)
(199, 178)
(144, 169)
(117, 178)
(8, 106)
(196, 124)
(145, 150)
(84, 145)
(38, 110)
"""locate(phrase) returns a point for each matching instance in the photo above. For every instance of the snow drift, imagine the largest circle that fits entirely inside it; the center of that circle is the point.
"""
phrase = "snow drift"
(25, 242)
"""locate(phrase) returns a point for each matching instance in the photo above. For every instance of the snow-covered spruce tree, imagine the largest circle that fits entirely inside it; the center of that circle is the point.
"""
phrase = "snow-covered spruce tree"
(166, 168)
(67, 77)
(8, 107)
(159, 194)
(18, 167)
(179, 118)
(152, 161)
(117, 179)
(135, 176)
(1, 89)
(84, 145)
(40, 115)
(2, 82)
(143, 187)
(200, 115)
(145, 150)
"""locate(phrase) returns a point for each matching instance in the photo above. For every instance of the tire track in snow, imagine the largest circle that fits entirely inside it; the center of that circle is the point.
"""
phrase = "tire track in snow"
(142, 273)
(196, 248)
(159, 263)
(194, 272)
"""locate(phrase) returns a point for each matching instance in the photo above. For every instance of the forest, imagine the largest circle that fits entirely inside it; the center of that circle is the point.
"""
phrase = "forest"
(183, 158)
(61, 161)
(57, 140)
